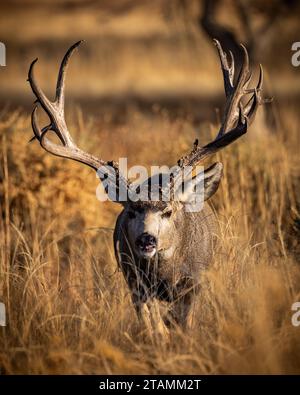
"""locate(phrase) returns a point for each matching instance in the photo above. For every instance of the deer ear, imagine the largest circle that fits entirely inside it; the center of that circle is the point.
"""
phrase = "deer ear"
(206, 183)
(212, 178)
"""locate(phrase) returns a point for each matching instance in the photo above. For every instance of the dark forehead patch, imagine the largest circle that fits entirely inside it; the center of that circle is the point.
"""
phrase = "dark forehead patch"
(155, 181)
(148, 205)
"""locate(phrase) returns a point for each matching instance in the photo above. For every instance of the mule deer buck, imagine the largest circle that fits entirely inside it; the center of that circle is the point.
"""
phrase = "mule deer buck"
(160, 247)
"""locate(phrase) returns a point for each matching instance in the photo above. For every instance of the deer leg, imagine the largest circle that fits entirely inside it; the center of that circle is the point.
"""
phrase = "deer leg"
(140, 302)
(182, 307)
(160, 328)
(150, 316)
(179, 313)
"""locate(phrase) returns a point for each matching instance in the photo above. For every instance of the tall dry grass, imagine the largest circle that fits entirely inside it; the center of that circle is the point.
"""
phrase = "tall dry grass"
(68, 307)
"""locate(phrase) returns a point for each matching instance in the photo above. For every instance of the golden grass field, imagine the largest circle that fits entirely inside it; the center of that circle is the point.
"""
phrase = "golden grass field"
(68, 307)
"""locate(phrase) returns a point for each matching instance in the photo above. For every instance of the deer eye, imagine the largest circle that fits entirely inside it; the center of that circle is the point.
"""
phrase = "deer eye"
(167, 214)
(131, 214)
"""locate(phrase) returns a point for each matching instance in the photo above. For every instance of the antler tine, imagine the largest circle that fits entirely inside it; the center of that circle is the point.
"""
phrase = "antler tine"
(244, 72)
(238, 91)
(60, 86)
(34, 123)
(56, 117)
(228, 71)
(40, 135)
(256, 99)
(40, 95)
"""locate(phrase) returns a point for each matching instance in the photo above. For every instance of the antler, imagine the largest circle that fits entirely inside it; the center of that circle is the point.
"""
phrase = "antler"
(237, 116)
(55, 111)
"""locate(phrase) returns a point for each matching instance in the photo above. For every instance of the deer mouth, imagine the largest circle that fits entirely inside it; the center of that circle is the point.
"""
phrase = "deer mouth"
(147, 251)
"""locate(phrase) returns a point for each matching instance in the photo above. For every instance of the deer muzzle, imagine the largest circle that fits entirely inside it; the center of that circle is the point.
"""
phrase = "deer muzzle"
(146, 245)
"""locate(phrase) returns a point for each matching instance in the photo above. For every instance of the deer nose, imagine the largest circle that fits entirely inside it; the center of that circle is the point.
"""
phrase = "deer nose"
(145, 240)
